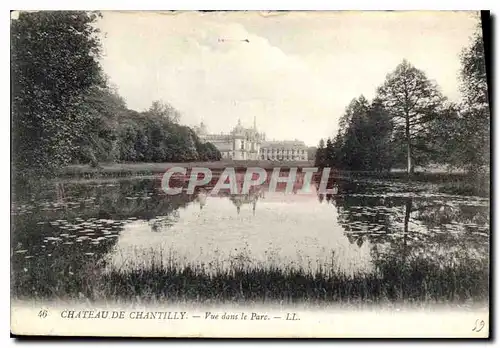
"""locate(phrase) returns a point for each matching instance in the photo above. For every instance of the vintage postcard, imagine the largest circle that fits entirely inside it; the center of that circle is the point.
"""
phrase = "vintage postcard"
(250, 174)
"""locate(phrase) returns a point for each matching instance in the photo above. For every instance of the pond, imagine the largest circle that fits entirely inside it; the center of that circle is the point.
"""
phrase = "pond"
(131, 224)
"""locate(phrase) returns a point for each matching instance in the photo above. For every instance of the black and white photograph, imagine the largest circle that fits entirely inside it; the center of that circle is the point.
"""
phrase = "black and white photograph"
(250, 174)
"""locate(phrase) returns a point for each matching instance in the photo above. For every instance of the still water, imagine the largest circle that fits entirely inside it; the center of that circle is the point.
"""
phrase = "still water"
(125, 224)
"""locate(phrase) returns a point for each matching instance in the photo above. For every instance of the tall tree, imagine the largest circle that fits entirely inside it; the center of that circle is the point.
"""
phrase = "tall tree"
(311, 153)
(162, 109)
(338, 157)
(412, 100)
(474, 86)
(378, 129)
(329, 152)
(54, 68)
(104, 109)
(319, 160)
(355, 137)
(474, 121)
(461, 133)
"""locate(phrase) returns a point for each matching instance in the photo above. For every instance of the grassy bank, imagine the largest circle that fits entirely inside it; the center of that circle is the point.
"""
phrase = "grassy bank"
(145, 169)
(413, 280)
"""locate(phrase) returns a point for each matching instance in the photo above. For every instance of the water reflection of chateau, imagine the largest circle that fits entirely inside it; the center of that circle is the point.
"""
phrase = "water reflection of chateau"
(251, 198)
(249, 144)
(257, 192)
(238, 200)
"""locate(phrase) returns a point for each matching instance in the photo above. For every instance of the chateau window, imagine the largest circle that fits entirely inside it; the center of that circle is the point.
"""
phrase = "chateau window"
(242, 146)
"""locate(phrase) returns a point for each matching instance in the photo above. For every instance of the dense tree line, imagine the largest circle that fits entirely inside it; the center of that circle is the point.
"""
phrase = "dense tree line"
(154, 135)
(64, 110)
(410, 123)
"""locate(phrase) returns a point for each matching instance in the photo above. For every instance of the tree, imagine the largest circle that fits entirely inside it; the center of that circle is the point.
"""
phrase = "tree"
(355, 136)
(473, 126)
(468, 122)
(474, 86)
(155, 136)
(363, 140)
(412, 101)
(329, 154)
(99, 140)
(319, 160)
(378, 128)
(337, 160)
(311, 153)
(54, 69)
(207, 152)
(164, 110)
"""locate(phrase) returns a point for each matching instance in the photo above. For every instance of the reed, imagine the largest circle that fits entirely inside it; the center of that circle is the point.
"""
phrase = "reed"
(414, 280)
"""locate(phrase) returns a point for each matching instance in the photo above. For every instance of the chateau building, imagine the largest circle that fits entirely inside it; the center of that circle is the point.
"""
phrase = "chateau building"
(249, 144)
(287, 150)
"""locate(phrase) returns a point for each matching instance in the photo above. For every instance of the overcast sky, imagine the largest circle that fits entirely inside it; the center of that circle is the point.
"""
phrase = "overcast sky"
(296, 74)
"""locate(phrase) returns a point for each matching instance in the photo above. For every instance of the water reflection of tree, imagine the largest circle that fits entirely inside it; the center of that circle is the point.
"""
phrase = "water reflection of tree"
(142, 199)
(357, 216)
(378, 216)
(58, 263)
(416, 240)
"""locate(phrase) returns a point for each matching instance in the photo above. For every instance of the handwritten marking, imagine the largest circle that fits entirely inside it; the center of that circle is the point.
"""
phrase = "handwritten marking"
(478, 326)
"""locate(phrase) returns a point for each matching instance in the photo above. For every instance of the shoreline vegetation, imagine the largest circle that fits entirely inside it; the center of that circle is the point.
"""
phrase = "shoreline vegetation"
(410, 279)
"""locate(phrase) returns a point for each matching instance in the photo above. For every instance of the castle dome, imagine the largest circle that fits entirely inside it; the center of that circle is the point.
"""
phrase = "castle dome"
(238, 129)
(201, 129)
